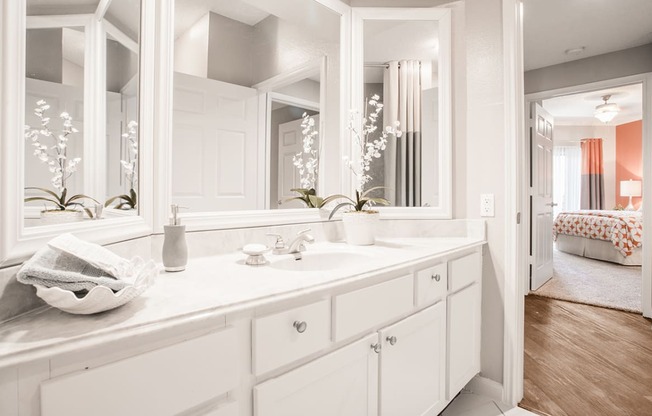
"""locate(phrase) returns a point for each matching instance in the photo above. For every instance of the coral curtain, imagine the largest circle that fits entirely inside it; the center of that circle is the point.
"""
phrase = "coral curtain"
(592, 189)
(402, 100)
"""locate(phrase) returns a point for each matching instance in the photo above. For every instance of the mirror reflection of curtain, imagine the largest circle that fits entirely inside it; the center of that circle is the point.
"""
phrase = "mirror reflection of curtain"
(402, 100)
(592, 193)
(567, 163)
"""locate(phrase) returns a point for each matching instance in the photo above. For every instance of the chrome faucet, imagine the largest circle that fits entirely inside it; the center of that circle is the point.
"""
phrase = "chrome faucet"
(298, 244)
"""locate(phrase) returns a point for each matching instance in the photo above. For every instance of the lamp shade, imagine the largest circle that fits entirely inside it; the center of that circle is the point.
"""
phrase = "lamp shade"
(630, 188)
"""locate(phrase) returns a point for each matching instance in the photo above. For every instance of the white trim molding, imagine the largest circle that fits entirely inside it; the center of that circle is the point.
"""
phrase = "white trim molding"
(443, 16)
(513, 90)
(17, 243)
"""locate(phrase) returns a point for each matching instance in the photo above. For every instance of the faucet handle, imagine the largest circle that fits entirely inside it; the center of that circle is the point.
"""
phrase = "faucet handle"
(279, 244)
(307, 237)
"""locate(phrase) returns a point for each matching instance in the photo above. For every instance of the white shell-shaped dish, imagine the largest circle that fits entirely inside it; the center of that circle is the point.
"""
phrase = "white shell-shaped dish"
(100, 298)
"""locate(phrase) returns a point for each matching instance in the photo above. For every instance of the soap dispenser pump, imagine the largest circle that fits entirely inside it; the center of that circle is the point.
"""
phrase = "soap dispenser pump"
(175, 250)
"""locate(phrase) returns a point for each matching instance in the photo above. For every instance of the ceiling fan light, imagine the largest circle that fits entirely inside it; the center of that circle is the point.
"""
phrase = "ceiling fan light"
(607, 111)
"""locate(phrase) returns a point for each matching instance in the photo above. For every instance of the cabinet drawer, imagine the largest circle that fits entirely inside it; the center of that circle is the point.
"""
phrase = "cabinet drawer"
(290, 335)
(162, 382)
(362, 309)
(432, 284)
(464, 271)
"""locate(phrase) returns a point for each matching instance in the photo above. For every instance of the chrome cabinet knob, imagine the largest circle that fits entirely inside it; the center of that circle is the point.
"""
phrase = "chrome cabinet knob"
(436, 277)
(392, 340)
(300, 326)
(376, 347)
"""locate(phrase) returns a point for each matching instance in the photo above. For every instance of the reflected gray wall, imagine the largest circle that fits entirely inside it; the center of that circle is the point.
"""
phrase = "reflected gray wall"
(44, 50)
(121, 65)
(596, 68)
(377, 168)
(229, 51)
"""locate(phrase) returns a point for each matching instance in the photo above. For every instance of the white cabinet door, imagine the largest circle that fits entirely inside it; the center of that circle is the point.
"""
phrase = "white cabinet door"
(342, 383)
(463, 338)
(413, 364)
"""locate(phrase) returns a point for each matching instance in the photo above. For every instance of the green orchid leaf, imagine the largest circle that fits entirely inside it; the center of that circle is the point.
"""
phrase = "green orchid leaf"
(47, 191)
(89, 212)
(337, 207)
(133, 195)
(336, 196)
(316, 201)
(78, 197)
(365, 193)
(62, 200)
(114, 198)
(42, 198)
(379, 201)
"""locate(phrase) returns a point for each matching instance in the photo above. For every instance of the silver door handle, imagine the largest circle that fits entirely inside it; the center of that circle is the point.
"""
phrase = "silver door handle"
(552, 204)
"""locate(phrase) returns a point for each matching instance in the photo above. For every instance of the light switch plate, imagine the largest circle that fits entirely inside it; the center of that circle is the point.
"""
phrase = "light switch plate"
(487, 205)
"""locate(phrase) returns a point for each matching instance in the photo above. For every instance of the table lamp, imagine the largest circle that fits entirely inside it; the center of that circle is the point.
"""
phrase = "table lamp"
(629, 189)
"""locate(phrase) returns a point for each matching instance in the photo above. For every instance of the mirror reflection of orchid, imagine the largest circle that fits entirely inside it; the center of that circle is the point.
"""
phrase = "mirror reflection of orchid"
(367, 150)
(307, 163)
(130, 170)
(56, 157)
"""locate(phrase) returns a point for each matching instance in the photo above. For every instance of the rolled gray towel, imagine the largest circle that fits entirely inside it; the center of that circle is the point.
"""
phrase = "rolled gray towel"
(50, 267)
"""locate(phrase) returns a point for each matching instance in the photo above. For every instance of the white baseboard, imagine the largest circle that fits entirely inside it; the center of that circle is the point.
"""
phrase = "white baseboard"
(486, 387)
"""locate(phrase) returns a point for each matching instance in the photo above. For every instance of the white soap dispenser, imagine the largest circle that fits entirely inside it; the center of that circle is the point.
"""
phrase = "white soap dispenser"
(175, 250)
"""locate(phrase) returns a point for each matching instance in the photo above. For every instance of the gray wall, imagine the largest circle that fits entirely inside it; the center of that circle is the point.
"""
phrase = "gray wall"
(618, 64)
(44, 50)
(229, 51)
(121, 65)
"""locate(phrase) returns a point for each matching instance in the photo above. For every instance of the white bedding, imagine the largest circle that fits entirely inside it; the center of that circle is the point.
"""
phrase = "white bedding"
(597, 249)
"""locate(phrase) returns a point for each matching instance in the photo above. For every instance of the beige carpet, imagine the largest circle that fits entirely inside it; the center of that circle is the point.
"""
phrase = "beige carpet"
(594, 282)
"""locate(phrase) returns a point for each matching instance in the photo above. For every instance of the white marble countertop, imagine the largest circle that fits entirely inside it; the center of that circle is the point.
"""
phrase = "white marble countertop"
(214, 286)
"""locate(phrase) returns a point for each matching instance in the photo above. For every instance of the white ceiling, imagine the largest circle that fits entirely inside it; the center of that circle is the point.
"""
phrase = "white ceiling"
(577, 109)
(550, 27)
(393, 40)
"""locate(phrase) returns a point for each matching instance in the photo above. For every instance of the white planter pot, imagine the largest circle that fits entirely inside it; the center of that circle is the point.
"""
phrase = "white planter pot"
(60, 217)
(360, 227)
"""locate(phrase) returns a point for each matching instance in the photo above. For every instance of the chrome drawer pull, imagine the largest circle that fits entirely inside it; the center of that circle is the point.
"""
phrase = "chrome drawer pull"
(300, 326)
(436, 277)
(392, 340)
(376, 347)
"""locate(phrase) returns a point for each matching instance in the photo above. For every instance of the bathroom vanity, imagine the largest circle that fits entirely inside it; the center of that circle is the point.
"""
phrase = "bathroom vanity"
(389, 329)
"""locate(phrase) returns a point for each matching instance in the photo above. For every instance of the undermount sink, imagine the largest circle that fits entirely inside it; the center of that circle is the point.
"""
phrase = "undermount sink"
(319, 261)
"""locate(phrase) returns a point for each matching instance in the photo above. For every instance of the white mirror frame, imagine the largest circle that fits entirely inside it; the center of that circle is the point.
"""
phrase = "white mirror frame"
(164, 129)
(445, 133)
(17, 243)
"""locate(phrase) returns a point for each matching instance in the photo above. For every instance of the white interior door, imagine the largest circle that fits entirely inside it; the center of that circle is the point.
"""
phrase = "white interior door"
(541, 244)
(215, 146)
(290, 140)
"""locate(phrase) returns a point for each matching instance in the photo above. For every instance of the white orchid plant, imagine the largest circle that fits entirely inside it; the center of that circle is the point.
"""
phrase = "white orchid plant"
(55, 156)
(307, 163)
(130, 170)
(367, 149)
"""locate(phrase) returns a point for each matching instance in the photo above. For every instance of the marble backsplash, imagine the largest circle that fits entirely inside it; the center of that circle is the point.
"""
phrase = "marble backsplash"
(17, 299)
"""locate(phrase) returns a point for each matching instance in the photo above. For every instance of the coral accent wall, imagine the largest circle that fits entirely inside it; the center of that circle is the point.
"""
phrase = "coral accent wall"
(629, 157)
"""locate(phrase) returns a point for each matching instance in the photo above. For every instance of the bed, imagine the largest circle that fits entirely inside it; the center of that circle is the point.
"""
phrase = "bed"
(614, 236)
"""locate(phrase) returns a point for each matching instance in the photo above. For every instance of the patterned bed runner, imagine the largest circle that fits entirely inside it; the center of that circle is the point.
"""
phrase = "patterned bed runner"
(623, 228)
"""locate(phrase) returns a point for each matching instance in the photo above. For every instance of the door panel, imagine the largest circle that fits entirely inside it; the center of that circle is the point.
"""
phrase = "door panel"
(215, 145)
(541, 191)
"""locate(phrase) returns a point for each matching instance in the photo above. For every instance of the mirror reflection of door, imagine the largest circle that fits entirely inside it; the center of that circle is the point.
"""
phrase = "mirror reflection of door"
(228, 57)
(400, 60)
(290, 144)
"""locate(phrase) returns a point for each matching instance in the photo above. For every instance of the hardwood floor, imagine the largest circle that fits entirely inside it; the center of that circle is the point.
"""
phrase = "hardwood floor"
(586, 360)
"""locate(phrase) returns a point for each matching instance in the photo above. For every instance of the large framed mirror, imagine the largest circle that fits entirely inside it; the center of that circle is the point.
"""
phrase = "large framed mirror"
(401, 61)
(73, 72)
(244, 74)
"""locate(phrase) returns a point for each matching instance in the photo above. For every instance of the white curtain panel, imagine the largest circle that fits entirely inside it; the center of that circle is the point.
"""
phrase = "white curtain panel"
(402, 100)
(567, 178)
